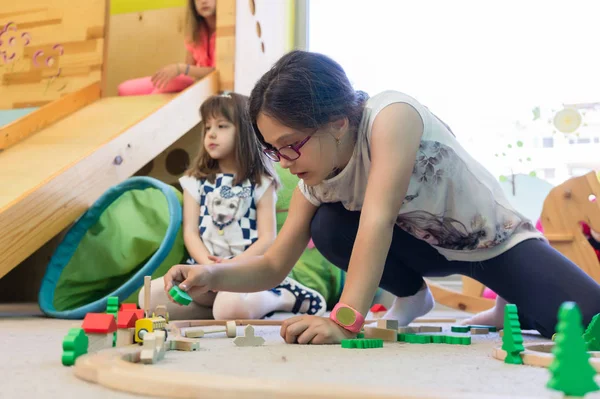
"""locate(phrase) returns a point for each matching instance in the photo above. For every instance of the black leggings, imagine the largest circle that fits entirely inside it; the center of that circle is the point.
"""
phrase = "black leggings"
(532, 274)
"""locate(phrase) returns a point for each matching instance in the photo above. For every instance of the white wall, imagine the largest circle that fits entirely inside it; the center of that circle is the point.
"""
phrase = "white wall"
(250, 61)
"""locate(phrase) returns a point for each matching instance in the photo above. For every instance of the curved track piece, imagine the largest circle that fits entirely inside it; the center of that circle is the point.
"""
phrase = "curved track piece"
(540, 355)
(118, 369)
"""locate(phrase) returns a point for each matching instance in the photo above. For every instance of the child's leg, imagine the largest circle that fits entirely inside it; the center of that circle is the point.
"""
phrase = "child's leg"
(176, 85)
(199, 308)
(136, 87)
(289, 296)
(538, 279)
(333, 231)
(532, 275)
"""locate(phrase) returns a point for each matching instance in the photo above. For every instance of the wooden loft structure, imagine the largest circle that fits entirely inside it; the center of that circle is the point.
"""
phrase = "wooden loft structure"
(57, 160)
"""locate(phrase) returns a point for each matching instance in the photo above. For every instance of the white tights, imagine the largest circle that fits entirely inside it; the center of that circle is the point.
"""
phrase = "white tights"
(220, 306)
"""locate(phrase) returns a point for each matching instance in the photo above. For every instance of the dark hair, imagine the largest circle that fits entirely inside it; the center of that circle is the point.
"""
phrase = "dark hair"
(305, 91)
(252, 163)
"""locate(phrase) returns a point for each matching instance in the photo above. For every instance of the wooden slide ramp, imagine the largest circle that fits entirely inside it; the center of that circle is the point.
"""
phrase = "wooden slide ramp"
(55, 174)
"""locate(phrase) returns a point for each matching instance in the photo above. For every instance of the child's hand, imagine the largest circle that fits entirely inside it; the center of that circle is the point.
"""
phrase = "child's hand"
(313, 330)
(165, 75)
(196, 276)
(215, 259)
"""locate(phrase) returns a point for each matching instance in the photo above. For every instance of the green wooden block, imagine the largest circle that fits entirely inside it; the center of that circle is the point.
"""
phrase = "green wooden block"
(490, 328)
(74, 345)
(180, 296)
(438, 339)
(460, 329)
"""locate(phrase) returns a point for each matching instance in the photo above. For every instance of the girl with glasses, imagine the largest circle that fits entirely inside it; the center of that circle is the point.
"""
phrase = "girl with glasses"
(388, 193)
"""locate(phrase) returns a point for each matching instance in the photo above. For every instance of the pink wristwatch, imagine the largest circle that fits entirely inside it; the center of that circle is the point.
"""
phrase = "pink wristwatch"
(347, 317)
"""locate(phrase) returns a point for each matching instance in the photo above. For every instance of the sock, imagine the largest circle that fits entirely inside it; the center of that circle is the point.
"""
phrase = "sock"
(406, 309)
(491, 317)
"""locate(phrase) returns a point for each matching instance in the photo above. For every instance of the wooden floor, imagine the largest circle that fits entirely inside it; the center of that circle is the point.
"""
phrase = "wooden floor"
(52, 150)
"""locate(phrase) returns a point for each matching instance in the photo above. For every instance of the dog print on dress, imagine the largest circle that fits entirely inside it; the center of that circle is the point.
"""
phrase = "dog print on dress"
(227, 223)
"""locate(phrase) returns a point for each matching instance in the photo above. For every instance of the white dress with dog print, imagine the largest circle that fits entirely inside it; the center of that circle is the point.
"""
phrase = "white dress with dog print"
(452, 201)
(227, 222)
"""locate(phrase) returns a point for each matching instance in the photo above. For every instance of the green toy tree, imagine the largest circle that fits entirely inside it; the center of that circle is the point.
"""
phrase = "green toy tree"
(571, 370)
(592, 334)
(512, 340)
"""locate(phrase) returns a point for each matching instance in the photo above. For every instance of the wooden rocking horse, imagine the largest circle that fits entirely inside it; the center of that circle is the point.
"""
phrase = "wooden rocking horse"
(565, 207)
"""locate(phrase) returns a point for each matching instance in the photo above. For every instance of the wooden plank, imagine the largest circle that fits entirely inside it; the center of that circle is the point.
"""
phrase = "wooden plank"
(134, 38)
(458, 300)
(47, 35)
(47, 115)
(225, 43)
(59, 172)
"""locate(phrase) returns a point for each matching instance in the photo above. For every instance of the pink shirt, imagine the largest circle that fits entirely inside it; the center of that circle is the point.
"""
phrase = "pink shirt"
(203, 51)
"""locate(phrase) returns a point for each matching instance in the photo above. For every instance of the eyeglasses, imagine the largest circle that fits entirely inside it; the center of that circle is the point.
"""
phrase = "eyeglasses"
(290, 152)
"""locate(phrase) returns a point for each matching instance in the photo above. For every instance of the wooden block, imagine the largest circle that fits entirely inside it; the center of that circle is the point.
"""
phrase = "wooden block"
(430, 329)
(479, 331)
(381, 333)
(149, 354)
(249, 339)
(192, 332)
(184, 345)
(147, 292)
(98, 342)
(388, 324)
(125, 336)
(408, 330)
(161, 345)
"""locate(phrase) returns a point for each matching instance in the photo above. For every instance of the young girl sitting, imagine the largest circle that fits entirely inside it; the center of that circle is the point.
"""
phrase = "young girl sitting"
(229, 198)
(389, 194)
(200, 44)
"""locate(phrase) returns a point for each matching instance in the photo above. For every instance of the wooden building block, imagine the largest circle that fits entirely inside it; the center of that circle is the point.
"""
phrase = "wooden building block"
(161, 345)
(388, 324)
(381, 333)
(125, 336)
(408, 330)
(430, 329)
(249, 339)
(476, 330)
(184, 345)
(149, 354)
(98, 342)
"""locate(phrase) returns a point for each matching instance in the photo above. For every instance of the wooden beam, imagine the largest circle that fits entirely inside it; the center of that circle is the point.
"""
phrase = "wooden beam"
(47, 115)
(61, 196)
(225, 43)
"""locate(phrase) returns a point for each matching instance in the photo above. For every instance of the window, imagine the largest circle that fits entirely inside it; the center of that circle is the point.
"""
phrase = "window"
(482, 67)
(548, 142)
(550, 173)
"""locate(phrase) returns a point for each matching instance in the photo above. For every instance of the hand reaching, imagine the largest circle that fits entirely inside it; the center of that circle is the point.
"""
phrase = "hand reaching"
(313, 330)
(162, 78)
(198, 277)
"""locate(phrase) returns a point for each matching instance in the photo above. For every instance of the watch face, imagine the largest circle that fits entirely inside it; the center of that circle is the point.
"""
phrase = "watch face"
(345, 316)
